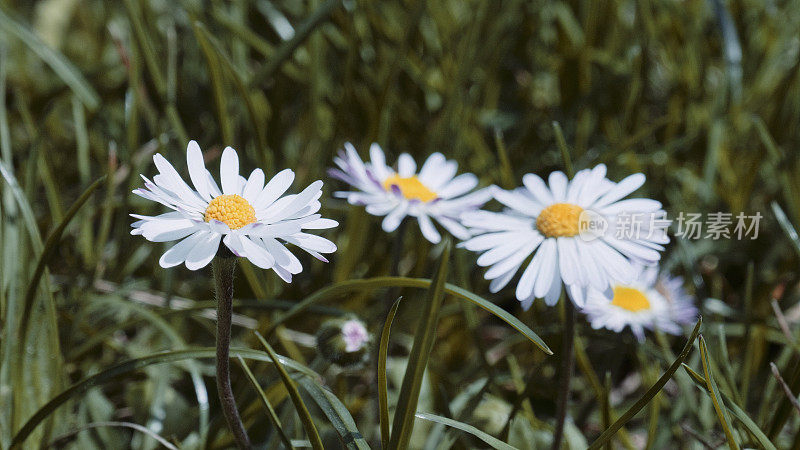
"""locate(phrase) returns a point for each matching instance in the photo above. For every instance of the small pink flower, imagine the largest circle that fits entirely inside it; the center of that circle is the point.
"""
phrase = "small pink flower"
(355, 335)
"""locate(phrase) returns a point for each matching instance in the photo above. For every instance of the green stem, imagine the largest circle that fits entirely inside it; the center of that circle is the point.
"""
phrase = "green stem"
(224, 268)
(567, 367)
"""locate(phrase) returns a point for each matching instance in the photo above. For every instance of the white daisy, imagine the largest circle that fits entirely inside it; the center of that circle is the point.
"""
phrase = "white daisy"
(575, 231)
(433, 193)
(649, 302)
(253, 220)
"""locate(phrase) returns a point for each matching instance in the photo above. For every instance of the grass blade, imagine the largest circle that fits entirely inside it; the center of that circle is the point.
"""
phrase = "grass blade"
(485, 437)
(49, 247)
(344, 287)
(383, 396)
(424, 336)
(336, 412)
(722, 413)
(734, 409)
(60, 65)
(302, 411)
(59, 441)
(655, 389)
(273, 417)
(127, 367)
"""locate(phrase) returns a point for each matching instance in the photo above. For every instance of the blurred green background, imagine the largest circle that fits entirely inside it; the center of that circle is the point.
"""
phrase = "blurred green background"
(703, 96)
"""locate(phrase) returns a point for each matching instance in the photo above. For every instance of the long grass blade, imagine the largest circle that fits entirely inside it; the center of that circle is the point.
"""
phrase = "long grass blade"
(722, 413)
(271, 414)
(337, 414)
(339, 289)
(655, 389)
(294, 394)
(49, 248)
(734, 409)
(424, 336)
(383, 396)
(127, 367)
(60, 441)
(467, 428)
(60, 65)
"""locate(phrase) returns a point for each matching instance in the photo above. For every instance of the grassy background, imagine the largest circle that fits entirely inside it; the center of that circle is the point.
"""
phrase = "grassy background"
(702, 96)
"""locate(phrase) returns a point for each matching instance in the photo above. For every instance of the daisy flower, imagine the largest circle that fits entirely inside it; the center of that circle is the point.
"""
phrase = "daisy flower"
(433, 193)
(575, 230)
(650, 302)
(253, 220)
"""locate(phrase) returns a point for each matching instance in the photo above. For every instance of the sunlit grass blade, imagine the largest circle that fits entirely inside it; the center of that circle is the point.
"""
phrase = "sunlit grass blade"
(383, 396)
(786, 226)
(722, 413)
(60, 65)
(338, 289)
(467, 428)
(655, 389)
(273, 417)
(424, 336)
(336, 412)
(734, 409)
(124, 368)
(294, 394)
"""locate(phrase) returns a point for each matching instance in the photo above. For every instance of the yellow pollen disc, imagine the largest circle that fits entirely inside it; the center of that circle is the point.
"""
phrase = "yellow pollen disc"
(630, 298)
(410, 187)
(233, 210)
(559, 220)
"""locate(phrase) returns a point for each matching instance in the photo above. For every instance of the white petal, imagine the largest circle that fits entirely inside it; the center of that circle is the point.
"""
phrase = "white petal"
(518, 201)
(455, 228)
(197, 171)
(406, 166)
(203, 252)
(257, 254)
(633, 205)
(312, 242)
(539, 190)
(501, 281)
(623, 188)
(549, 264)
(392, 221)
(254, 186)
(568, 262)
(229, 171)
(432, 168)
(513, 261)
(551, 298)
(558, 186)
(274, 189)
(428, 230)
(378, 161)
(320, 224)
(177, 253)
(458, 185)
(298, 202)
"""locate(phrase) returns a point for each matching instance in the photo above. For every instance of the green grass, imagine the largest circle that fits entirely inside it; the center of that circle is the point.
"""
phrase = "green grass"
(97, 341)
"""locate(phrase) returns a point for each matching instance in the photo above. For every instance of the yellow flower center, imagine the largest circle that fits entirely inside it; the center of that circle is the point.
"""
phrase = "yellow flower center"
(630, 298)
(410, 187)
(559, 220)
(233, 210)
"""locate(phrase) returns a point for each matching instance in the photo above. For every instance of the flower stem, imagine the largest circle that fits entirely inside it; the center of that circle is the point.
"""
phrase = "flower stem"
(224, 268)
(567, 367)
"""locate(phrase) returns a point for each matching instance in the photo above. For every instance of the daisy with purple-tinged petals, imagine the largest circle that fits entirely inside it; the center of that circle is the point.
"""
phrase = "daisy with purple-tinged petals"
(650, 302)
(253, 220)
(433, 194)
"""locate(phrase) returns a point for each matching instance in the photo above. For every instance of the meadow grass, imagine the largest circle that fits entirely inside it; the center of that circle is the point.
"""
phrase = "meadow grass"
(102, 348)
